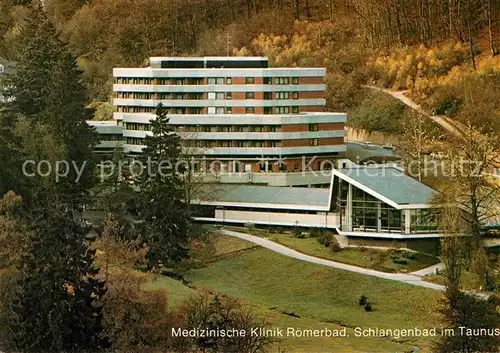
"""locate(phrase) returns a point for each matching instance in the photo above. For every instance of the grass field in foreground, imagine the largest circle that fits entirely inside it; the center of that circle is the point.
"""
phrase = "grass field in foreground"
(177, 292)
(274, 282)
(378, 259)
(277, 286)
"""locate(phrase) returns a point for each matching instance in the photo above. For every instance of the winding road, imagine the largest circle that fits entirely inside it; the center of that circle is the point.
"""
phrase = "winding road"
(414, 278)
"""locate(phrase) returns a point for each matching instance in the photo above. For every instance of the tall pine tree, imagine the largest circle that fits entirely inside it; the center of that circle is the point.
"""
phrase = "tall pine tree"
(55, 304)
(46, 87)
(164, 214)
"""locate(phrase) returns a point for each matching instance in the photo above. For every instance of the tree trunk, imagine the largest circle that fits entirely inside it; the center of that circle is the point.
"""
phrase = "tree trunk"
(308, 10)
(422, 21)
(296, 8)
(459, 24)
(398, 22)
(490, 31)
(330, 9)
(450, 17)
(469, 32)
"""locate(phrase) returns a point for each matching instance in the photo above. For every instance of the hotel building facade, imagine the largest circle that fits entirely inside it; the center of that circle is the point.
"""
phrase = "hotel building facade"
(236, 110)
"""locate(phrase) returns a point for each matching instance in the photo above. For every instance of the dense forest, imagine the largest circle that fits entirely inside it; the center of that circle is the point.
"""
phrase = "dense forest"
(418, 45)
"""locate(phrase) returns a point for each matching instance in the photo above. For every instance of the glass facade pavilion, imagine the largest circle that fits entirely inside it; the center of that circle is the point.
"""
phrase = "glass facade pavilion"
(380, 201)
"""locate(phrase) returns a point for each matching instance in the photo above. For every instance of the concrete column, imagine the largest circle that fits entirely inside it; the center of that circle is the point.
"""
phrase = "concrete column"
(407, 217)
(379, 217)
(348, 211)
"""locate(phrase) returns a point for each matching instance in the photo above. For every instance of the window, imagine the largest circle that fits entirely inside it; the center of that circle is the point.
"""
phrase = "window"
(220, 110)
(268, 110)
(211, 110)
(249, 80)
(250, 95)
(295, 110)
(295, 80)
(229, 110)
(268, 80)
(282, 95)
(229, 81)
(315, 142)
(268, 95)
(215, 80)
(295, 95)
(229, 95)
(313, 127)
(282, 110)
(282, 80)
(220, 95)
(250, 110)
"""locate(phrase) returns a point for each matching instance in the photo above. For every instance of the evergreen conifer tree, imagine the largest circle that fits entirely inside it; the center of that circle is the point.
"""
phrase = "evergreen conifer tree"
(46, 87)
(163, 212)
(55, 304)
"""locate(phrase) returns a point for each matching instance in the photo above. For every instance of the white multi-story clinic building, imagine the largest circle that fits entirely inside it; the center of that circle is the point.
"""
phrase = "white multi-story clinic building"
(235, 110)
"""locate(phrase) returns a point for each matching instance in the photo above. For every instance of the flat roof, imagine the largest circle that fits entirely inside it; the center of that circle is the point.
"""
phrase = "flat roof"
(315, 198)
(106, 127)
(388, 184)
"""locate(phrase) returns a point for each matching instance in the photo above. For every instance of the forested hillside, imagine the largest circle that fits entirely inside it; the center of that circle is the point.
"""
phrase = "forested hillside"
(444, 51)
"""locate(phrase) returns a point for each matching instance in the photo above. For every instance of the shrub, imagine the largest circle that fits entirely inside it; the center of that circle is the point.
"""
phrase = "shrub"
(334, 244)
(362, 300)
(379, 112)
(380, 257)
(409, 255)
(224, 313)
(134, 320)
(446, 100)
(490, 284)
(368, 307)
(325, 239)
(400, 261)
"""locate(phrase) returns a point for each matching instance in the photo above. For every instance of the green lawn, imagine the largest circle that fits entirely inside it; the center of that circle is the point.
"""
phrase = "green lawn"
(274, 282)
(227, 245)
(176, 290)
(277, 286)
(377, 259)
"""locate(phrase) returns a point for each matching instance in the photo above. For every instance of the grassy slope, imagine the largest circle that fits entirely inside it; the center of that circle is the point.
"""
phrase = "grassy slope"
(355, 256)
(321, 296)
(363, 257)
(226, 245)
(274, 282)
